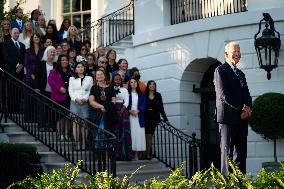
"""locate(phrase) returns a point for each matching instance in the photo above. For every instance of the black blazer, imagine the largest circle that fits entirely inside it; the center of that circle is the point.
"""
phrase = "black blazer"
(157, 107)
(41, 76)
(231, 96)
(12, 56)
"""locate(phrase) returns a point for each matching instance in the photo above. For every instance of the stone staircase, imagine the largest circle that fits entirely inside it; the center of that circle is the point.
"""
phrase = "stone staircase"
(51, 160)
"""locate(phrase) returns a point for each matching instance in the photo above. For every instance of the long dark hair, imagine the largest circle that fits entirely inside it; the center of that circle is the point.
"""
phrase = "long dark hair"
(147, 88)
(138, 90)
(32, 47)
(108, 52)
(68, 52)
(75, 73)
(62, 27)
(58, 68)
(53, 35)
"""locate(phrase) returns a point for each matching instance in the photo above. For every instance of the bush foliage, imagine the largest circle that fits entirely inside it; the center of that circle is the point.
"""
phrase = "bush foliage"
(11, 14)
(268, 115)
(208, 178)
(17, 162)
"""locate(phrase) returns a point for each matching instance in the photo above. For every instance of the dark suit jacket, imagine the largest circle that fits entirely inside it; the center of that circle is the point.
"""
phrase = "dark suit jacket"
(14, 24)
(41, 76)
(12, 56)
(230, 95)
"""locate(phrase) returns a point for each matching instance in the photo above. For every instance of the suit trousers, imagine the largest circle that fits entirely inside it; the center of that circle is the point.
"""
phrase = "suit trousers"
(233, 145)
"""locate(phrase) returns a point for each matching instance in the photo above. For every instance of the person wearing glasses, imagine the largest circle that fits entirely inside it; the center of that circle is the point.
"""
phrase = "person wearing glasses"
(102, 62)
(72, 54)
(92, 66)
(83, 52)
(65, 46)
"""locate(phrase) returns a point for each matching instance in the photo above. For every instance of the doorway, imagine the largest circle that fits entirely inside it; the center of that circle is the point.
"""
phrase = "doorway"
(210, 152)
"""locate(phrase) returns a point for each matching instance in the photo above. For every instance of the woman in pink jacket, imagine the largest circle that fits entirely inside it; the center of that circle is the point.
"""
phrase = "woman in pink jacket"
(58, 80)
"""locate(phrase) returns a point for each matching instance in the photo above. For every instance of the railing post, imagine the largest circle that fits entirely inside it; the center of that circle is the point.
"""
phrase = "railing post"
(194, 155)
(3, 99)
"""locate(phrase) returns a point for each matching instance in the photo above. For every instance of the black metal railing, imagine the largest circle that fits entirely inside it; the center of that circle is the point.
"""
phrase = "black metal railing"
(111, 28)
(188, 10)
(69, 135)
(174, 148)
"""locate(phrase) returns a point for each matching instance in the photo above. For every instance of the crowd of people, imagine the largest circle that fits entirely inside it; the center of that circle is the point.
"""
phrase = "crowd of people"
(93, 85)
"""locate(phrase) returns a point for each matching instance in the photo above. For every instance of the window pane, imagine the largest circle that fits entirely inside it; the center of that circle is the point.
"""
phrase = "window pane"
(66, 5)
(86, 5)
(75, 5)
(67, 17)
(77, 21)
(86, 19)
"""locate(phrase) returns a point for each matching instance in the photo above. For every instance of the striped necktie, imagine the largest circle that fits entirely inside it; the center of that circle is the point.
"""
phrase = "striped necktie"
(17, 46)
(238, 74)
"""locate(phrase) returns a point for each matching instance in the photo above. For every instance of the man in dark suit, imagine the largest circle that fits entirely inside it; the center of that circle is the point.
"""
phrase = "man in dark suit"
(233, 107)
(18, 22)
(14, 55)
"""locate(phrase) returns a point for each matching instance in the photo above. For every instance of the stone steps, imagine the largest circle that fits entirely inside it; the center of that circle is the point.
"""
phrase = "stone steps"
(51, 160)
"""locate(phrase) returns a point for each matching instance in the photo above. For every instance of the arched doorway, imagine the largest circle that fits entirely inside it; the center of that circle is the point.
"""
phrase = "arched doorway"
(209, 128)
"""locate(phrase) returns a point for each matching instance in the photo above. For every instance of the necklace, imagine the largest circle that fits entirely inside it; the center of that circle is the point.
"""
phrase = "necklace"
(103, 93)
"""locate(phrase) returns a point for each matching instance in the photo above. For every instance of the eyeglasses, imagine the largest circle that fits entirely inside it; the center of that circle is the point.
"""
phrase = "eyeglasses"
(103, 62)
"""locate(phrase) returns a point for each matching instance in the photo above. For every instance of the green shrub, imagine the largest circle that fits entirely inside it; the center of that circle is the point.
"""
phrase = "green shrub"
(267, 179)
(17, 162)
(63, 178)
(209, 178)
(268, 115)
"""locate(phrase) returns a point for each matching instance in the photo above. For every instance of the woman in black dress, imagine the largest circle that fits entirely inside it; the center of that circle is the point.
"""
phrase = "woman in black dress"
(154, 108)
(102, 99)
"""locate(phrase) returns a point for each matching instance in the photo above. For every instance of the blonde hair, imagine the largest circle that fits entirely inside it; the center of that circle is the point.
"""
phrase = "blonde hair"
(2, 34)
(42, 17)
(25, 32)
(78, 38)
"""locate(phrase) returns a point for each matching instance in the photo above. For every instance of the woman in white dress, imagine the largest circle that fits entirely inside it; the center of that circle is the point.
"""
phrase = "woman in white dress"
(136, 107)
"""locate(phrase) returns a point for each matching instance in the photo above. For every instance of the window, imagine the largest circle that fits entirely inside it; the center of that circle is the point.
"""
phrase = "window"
(78, 11)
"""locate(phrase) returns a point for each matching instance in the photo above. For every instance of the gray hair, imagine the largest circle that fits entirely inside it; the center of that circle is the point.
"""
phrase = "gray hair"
(102, 59)
(44, 57)
(231, 44)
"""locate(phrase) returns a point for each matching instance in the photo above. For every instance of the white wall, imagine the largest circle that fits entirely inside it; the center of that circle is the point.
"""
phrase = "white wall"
(104, 7)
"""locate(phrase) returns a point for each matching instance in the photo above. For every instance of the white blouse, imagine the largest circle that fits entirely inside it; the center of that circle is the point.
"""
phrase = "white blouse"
(122, 96)
(25, 41)
(78, 89)
(48, 69)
